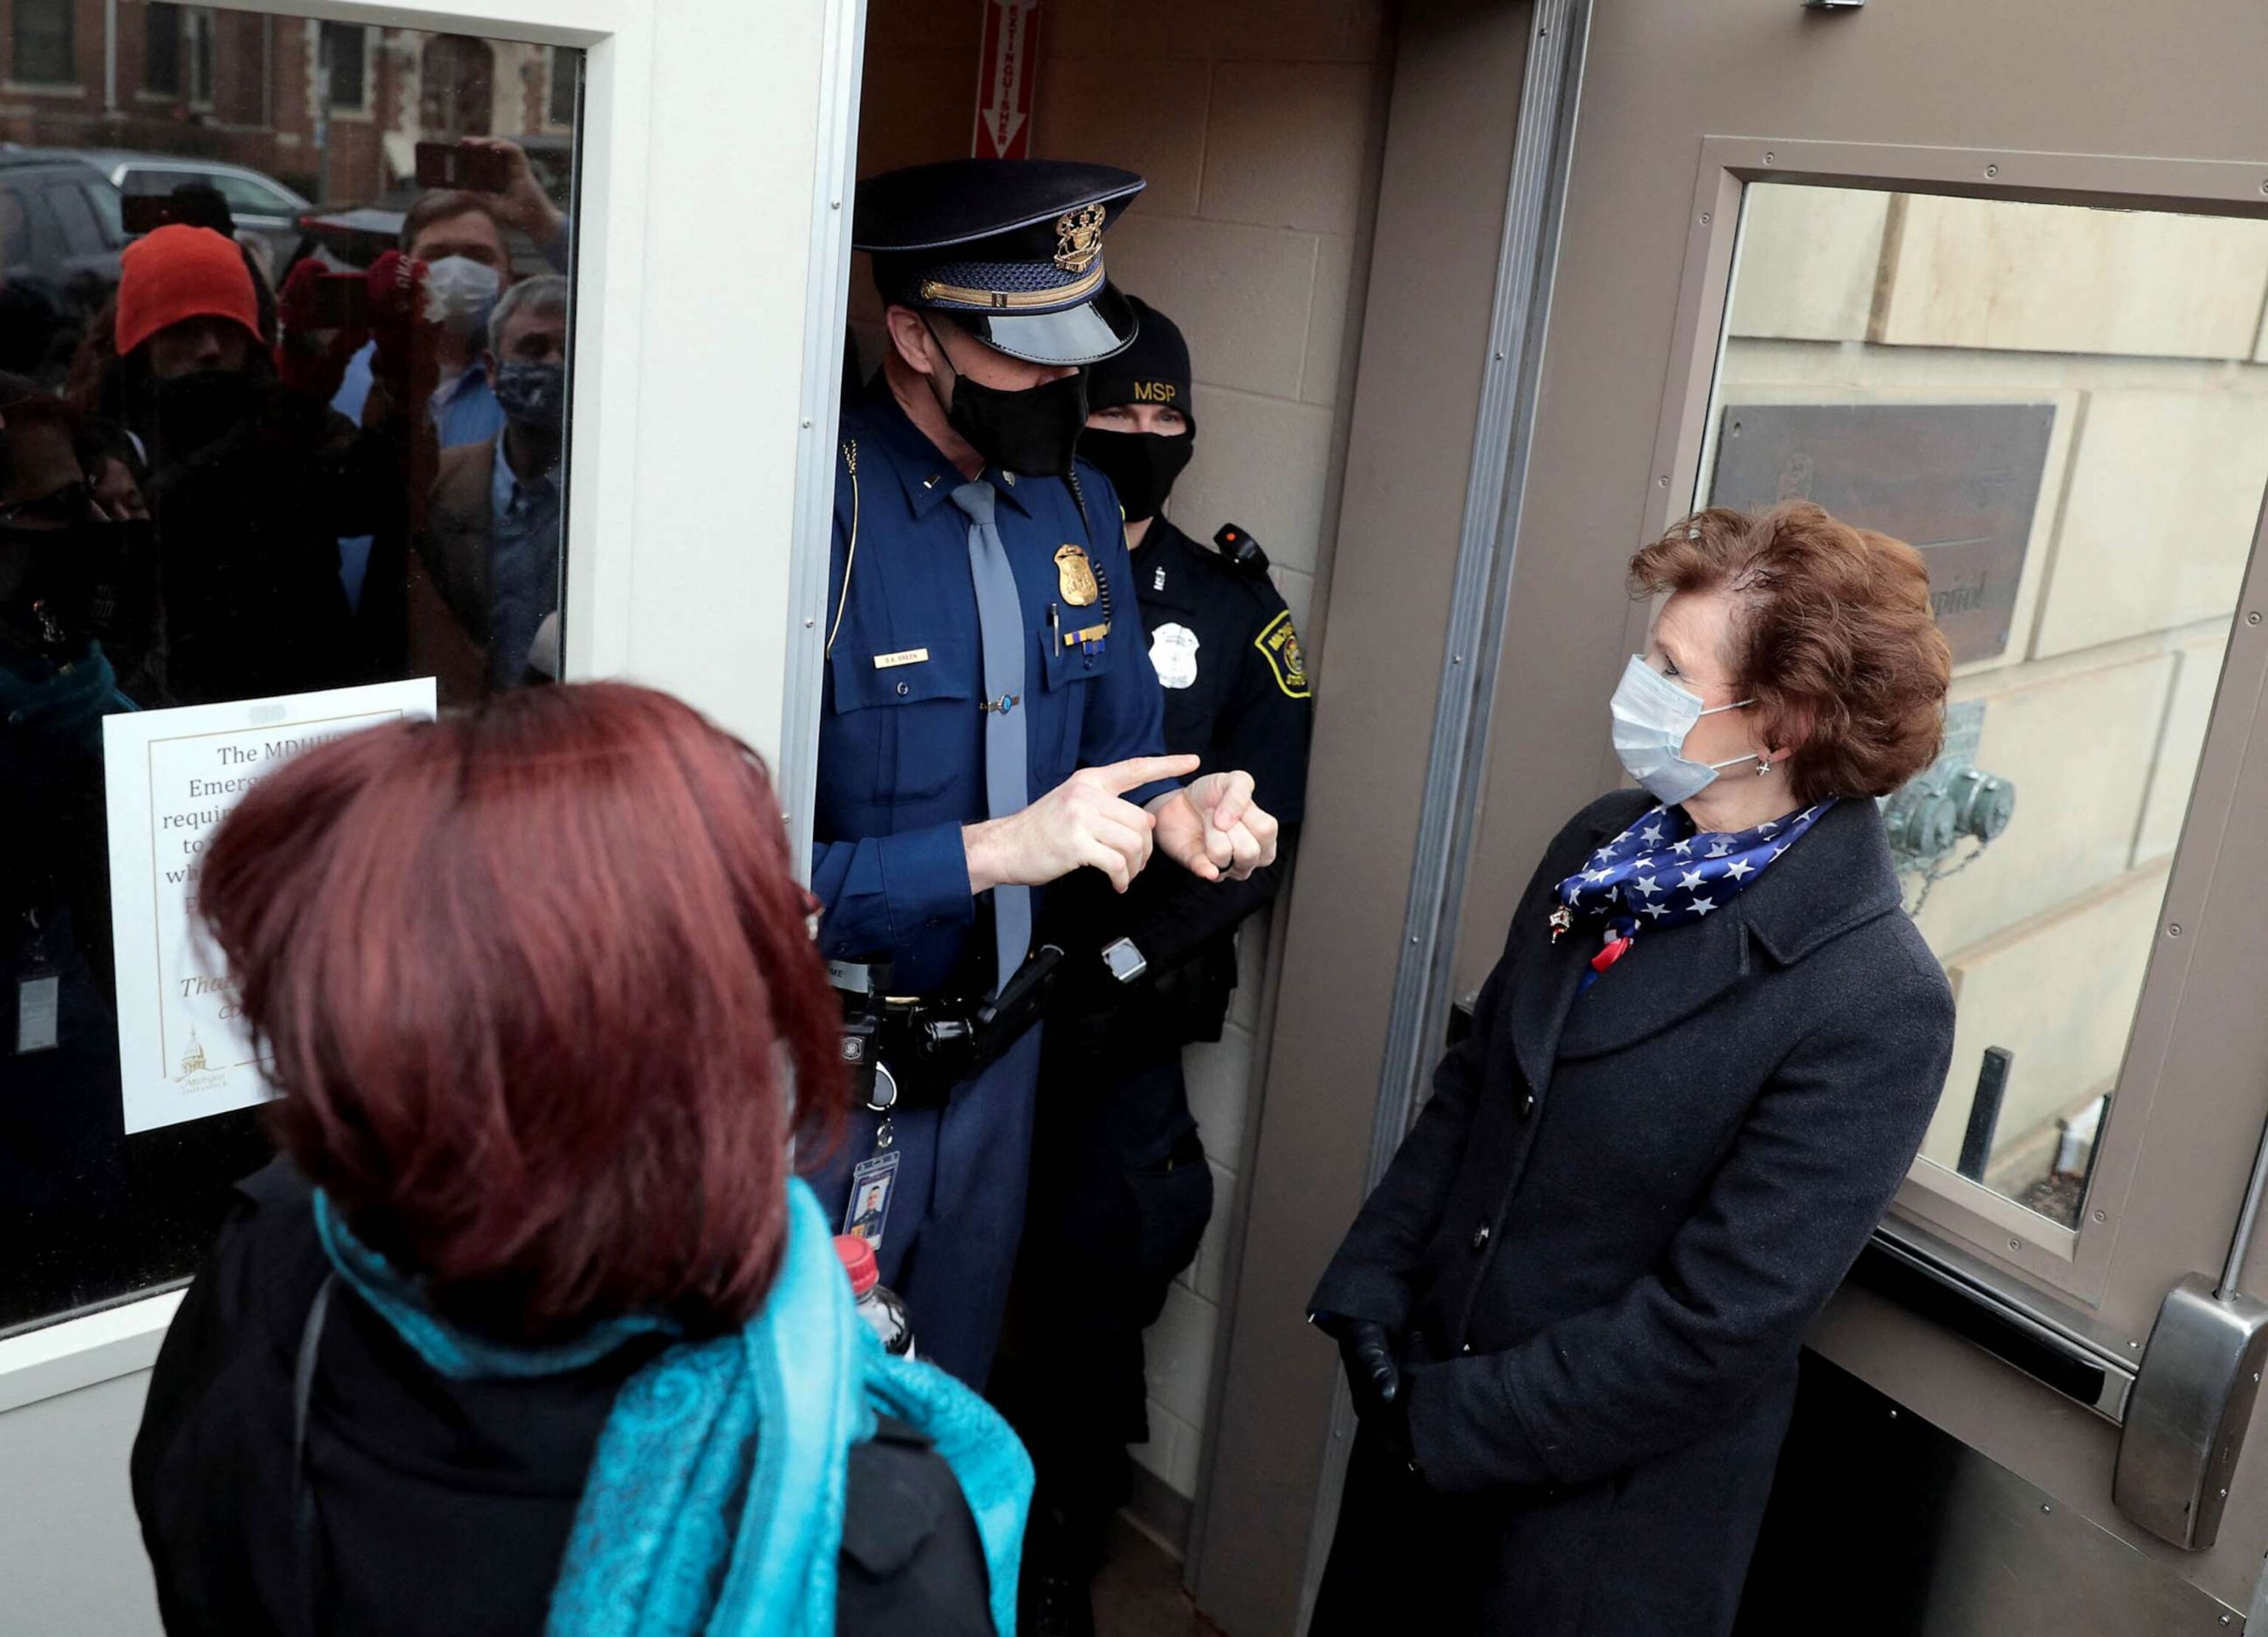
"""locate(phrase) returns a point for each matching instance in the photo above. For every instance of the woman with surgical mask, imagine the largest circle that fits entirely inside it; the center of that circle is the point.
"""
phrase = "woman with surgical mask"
(1570, 1314)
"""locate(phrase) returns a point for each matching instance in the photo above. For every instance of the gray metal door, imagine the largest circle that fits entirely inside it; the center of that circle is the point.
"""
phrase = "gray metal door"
(1875, 254)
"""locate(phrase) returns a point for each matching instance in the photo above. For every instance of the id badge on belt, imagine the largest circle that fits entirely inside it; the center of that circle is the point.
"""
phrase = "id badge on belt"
(873, 1181)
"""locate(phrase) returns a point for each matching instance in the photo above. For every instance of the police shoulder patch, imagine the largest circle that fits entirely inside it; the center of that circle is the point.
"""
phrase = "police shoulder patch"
(1279, 644)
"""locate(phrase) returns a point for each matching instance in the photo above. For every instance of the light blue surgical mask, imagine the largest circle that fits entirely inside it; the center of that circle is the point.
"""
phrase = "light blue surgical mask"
(1653, 715)
(460, 293)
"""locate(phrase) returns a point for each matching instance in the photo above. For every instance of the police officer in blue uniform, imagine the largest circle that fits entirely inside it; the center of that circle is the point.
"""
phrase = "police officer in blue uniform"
(1121, 1193)
(991, 723)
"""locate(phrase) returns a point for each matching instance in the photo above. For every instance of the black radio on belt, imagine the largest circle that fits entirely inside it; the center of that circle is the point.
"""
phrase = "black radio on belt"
(908, 1053)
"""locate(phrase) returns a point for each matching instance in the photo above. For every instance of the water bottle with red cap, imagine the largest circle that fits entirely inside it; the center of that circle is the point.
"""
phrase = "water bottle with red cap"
(878, 1303)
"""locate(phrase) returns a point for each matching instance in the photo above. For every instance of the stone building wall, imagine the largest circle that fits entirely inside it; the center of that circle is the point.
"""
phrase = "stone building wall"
(2144, 332)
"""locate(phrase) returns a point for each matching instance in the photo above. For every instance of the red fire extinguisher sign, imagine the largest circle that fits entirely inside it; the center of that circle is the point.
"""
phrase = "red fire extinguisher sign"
(1007, 63)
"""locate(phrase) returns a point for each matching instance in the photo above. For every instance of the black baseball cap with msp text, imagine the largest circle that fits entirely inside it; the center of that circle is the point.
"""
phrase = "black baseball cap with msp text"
(1152, 368)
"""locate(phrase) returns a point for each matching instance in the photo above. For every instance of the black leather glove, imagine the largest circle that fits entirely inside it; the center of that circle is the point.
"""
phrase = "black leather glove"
(1366, 1350)
(1375, 1381)
(1373, 1376)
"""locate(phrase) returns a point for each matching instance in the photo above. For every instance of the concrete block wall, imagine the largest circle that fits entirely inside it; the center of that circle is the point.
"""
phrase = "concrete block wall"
(1257, 127)
(1257, 124)
(2144, 331)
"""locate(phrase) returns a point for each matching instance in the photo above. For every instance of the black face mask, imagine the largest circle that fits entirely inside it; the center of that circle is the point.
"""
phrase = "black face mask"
(1032, 432)
(201, 408)
(533, 395)
(1141, 466)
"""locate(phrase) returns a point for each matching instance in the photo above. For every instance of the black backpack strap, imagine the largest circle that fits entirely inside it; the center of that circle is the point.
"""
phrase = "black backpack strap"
(306, 1537)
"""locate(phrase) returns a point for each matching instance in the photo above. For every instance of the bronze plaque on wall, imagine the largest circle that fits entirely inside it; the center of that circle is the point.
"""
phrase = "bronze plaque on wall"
(1958, 480)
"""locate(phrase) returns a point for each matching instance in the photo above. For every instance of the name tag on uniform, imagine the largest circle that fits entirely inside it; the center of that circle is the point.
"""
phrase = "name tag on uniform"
(891, 661)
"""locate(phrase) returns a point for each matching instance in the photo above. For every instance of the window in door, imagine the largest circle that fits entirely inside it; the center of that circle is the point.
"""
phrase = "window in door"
(274, 566)
(2067, 408)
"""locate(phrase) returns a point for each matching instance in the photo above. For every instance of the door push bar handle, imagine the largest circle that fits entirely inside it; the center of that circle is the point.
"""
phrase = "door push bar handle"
(2192, 1398)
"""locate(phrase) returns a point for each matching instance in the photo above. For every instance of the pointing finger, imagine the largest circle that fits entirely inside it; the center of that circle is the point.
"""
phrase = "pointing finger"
(1121, 776)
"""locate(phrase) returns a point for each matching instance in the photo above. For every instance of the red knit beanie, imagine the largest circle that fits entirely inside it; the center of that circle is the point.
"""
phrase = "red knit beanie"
(180, 272)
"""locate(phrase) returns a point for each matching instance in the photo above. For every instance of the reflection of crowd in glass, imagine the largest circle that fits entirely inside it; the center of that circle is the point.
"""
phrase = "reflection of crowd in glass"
(241, 486)
(242, 490)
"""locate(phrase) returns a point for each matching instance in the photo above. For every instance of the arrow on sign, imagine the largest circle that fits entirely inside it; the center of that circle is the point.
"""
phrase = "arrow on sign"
(1005, 94)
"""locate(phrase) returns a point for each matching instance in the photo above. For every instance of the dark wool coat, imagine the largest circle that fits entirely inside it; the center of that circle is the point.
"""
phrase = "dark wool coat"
(1603, 1242)
(443, 1507)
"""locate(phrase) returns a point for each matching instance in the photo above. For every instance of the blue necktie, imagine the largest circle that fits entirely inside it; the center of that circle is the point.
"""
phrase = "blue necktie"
(1000, 621)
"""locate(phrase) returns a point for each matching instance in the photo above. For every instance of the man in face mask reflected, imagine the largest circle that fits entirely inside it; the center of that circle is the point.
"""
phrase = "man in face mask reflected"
(487, 566)
(463, 239)
(988, 724)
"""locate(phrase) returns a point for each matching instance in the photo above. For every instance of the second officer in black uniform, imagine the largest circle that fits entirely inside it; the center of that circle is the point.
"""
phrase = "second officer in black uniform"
(1120, 1192)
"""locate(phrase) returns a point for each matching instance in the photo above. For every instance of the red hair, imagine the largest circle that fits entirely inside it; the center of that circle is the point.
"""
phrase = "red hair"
(541, 1002)
(1832, 635)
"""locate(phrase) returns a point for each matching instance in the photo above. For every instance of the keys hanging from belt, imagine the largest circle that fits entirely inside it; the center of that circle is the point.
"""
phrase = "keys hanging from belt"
(906, 1054)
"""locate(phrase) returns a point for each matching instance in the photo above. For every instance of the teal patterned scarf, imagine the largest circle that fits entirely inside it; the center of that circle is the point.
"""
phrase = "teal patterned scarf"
(715, 1500)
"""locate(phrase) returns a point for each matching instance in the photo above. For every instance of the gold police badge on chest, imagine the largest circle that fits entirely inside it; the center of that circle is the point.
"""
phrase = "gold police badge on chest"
(1075, 576)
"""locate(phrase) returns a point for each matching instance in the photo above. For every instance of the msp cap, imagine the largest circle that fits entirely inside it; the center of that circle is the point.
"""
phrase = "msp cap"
(1154, 368)
(1013, 248)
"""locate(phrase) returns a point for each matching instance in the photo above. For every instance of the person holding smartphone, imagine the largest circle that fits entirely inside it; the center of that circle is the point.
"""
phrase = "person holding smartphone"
(462, 236)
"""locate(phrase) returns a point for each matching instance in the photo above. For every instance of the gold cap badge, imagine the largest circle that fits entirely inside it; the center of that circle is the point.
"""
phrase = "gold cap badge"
(1078, 239)
(1075, 576)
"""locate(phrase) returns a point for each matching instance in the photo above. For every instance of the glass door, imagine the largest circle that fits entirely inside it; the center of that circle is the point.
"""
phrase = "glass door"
(2064, 407)
(1944, 315)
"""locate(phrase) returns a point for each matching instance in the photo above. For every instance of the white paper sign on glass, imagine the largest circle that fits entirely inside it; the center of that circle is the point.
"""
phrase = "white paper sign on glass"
(173, 775)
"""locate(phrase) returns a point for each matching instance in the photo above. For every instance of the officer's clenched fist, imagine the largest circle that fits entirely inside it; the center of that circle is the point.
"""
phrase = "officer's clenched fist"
(1084, 820)
(1215, 828)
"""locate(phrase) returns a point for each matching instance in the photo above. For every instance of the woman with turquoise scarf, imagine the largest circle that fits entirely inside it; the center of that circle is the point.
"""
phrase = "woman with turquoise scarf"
(531, 1327)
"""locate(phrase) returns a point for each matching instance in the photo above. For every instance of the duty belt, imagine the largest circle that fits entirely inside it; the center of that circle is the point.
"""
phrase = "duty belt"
(908, 1053)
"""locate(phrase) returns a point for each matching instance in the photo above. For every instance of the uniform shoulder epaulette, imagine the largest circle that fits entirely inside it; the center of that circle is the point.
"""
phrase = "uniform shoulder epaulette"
(1240, 551)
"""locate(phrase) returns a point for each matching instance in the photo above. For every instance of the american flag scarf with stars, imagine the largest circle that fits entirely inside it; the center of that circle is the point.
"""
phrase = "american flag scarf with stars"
(1663, 871)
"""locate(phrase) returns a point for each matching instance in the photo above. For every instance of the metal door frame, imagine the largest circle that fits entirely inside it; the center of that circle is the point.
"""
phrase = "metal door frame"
(1627, 197)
